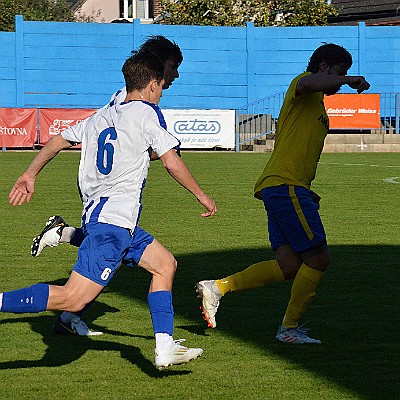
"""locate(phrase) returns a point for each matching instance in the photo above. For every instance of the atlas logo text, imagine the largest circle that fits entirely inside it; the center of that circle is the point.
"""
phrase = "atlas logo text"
(197, 126)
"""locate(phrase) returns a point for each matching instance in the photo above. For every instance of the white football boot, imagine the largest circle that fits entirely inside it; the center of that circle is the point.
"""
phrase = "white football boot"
(295, 336)
(176, 354)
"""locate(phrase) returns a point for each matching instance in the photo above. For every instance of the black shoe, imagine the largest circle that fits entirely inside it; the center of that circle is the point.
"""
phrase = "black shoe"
(50, 235)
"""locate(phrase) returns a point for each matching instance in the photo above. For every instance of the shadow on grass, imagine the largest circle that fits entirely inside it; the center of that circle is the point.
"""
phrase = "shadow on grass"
(63, 350)
(354, 315)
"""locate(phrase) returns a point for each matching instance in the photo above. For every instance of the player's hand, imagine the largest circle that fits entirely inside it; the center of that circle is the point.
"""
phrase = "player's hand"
(209, 204)
(22, 191)
(359, 83)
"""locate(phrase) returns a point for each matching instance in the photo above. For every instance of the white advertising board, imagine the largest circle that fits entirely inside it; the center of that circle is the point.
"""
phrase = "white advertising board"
(197, 129)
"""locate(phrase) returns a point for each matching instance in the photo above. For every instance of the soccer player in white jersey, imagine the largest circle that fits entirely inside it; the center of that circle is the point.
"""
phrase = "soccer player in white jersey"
(169, 53)
(112, 174)
(157, 259)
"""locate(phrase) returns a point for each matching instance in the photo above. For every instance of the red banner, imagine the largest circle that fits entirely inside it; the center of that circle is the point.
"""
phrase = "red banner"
(353, 111)
(54, 120)
(18, 127)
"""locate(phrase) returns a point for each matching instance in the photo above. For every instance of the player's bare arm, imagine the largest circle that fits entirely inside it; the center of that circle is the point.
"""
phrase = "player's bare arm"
(181, 173)
(358, 83)
(24, 187)
(322, 82)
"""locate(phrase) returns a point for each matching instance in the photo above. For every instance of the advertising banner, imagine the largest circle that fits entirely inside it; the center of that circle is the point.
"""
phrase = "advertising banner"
(54, 120)
(18, 127)
(197, 129)
(353, 111)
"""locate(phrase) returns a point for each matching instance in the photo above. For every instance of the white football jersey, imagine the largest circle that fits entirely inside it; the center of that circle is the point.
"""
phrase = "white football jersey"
(117, 97)
(115, 159)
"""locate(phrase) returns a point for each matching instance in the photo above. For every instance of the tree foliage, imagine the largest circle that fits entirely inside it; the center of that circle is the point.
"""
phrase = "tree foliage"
(37, 10)
(238, 12)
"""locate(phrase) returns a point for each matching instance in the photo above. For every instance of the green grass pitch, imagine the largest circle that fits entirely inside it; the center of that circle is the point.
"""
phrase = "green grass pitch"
(355, 313)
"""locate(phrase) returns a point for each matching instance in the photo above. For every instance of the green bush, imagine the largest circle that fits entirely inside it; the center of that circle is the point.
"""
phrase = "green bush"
(238, 12)
(37, 10)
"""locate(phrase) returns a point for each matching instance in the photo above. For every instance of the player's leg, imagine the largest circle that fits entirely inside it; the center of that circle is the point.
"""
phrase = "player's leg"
(55, 232)
(308, 240)
(74, 295)
(302, 294)
(139, 241)
(78, 291)
(156, 259)
(71, 323)
(257, 275)
(86, 281)
(254, 276)
(91, 255)
(42, 297)
(90, 264)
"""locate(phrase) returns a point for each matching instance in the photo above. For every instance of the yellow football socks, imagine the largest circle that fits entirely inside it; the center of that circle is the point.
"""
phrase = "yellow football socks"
(303, 292)
(257, 275)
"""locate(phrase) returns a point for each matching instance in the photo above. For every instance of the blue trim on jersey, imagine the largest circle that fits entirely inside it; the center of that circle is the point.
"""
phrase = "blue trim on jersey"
(140, 201)
(86, 210)
(94, 217)
(160, 115)
(112, 102)
(157, 109)
(161, 120)
(141, 191)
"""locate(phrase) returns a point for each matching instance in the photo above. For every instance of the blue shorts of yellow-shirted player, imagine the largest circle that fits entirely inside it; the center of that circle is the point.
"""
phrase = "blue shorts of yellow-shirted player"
(293, 217)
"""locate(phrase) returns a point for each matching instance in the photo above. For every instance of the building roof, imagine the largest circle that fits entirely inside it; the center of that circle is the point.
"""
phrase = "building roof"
(372, 12)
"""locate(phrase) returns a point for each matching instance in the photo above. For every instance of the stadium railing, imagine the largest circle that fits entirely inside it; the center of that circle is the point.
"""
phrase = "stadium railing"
(256, 122)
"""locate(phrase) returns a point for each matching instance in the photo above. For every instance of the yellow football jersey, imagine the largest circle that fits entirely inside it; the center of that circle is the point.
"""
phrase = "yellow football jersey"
(301, 130)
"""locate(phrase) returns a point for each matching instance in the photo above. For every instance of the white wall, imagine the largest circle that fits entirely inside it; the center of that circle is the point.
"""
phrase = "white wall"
(109, 9)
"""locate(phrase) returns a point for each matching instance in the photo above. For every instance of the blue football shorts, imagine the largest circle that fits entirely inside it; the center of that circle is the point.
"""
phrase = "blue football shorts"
(101, 252)
(140, 240)
(293, 218)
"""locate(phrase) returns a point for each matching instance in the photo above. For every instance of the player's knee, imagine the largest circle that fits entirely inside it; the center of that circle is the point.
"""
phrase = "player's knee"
(174, 264)
(77, 306)
(74, 305)
(318, 259)
(325, 261)
(289, 264)
(169, 266)
(290, 270)
(72, 302)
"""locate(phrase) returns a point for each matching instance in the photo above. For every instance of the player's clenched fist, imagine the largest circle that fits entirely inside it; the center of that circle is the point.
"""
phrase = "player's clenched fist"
(359, 83)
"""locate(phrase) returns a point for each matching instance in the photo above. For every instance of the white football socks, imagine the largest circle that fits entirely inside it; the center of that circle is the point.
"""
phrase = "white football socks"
(67, 234)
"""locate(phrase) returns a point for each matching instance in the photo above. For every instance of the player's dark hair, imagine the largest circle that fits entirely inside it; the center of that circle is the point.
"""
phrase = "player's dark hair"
(163, 47)
(332, 54)
(140, 69)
